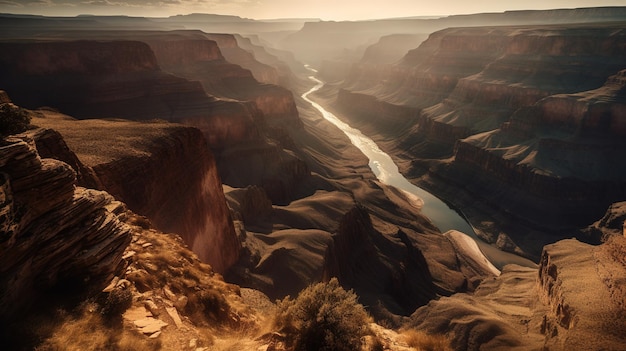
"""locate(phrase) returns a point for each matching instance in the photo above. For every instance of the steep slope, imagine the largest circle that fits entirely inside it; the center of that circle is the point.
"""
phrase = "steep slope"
(160, 170)
(575, 300)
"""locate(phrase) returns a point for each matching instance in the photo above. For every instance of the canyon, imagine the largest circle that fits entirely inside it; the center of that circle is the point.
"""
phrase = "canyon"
(211, 137)
(505, 115)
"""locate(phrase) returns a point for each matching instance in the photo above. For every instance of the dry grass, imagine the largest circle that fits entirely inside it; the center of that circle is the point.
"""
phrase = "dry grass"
(87, 329)
(425, 342)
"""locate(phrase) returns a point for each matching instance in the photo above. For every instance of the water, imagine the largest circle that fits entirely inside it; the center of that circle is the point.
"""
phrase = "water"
(442, 215)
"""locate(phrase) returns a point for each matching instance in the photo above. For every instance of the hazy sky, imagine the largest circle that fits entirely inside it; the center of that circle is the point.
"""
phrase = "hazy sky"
(260, 9)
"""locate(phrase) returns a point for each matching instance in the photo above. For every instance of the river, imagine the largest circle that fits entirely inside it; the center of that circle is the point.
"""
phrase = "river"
(441, 215)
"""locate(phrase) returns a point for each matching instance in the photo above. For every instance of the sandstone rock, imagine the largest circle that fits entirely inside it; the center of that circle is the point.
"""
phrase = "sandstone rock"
(149, 325)
(63, 236)
(166, 173)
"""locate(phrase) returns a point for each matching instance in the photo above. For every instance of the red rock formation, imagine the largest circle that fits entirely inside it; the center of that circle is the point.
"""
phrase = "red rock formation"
(54, 235)
(96, 79)
(203, 62)
(163, 171)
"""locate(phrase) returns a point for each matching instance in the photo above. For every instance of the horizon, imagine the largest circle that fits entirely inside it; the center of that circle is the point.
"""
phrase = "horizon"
(267, 10)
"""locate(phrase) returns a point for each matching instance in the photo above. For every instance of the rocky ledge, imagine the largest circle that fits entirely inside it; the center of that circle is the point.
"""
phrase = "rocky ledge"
(163, 171)
(56, 237)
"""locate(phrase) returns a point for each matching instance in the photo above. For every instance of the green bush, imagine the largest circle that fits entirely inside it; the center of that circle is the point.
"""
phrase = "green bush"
(323, 317)
(13, 119)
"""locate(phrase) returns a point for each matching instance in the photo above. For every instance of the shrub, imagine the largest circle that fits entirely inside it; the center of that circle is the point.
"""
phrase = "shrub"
(116, 302)
(13, 119)
(323, 317)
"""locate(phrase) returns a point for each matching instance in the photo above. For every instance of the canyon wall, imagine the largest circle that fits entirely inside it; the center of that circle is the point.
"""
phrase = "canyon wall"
(163, 171)
(57, 238)
(331, 40)
(530, 115)
(118, 74)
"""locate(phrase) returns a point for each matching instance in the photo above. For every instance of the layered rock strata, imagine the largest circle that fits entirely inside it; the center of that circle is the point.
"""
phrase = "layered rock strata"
(525, 119)
(55, 236)
(95, 79)
(163, 171)
(123, 78)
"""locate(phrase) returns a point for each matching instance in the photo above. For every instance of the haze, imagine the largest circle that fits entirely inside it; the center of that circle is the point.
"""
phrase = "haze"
(264, 9)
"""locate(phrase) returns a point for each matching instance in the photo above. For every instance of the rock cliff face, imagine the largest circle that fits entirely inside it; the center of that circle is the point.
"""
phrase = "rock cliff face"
(224, 76)
(163, 171)
(548, 308)
(531, 111)
(55, 236)
(96, 79)
(231, 50)
(118, 74)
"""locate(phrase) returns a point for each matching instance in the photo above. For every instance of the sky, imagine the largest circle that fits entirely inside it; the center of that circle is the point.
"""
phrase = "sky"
(266, 9)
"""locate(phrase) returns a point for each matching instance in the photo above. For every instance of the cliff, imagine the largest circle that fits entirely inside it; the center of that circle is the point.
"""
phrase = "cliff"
(391, 48)
(561, 149)
(237, 76)
(262, 72)
(163, 171)
(95, 79)
(57, 238)
(132, 85)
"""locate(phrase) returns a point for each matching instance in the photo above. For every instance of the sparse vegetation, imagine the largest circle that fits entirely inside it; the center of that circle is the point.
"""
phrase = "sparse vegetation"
(426, 342)
(323, 317)
(13, 119)
(115, 303)
(87, 329)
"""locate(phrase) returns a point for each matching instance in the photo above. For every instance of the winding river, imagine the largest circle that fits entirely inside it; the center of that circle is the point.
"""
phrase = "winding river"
(442, 215)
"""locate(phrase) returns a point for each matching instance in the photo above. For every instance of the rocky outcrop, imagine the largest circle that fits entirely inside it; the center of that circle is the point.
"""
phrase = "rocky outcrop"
(50, 144)
(359, 253)
(611, 224)
(163, 171)
(55, 236)
(548, 308)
